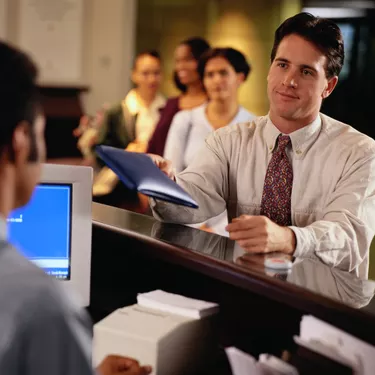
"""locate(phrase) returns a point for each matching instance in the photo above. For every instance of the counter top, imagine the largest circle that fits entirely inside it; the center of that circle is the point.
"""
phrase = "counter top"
(309, 283)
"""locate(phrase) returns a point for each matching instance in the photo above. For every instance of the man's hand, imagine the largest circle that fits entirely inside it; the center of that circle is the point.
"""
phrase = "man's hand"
(117, 365)
(163, 164)
(259, 234)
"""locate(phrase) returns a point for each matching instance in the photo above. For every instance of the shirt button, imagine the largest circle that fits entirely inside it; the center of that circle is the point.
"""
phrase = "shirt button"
(298, 152)
(270, 148)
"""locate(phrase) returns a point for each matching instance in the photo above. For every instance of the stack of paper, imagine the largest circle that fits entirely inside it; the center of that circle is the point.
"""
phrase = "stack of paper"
(244, 364)
(241, 363)
(336, 344)
(176, 304)
(330, 345)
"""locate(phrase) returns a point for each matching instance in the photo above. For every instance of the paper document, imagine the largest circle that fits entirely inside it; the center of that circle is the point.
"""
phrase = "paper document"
(176, 304)
(241, 363)
(339, 344)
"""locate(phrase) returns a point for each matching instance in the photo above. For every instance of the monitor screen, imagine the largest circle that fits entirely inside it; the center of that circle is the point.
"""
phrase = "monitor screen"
(42, 229)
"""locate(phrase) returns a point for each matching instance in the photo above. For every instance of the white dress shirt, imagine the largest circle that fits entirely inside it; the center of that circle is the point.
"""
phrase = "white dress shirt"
(333, 195)
(147, 117)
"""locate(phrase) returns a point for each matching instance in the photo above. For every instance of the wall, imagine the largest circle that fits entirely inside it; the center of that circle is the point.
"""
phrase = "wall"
(243, 24)
(108, 38)
(3, 17)
(249, 26)
(112, 33)
(162, 24)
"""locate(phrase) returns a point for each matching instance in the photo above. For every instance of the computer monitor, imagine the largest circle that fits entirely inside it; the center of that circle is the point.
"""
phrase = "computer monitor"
(54, 229)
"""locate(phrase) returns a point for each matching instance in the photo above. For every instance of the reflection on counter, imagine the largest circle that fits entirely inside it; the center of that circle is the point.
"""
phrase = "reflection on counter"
(134, 254)
(309, 273)
(332, 282)
(194, 239)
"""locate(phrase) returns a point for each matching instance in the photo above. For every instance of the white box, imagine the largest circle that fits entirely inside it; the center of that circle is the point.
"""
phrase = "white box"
(171, 344)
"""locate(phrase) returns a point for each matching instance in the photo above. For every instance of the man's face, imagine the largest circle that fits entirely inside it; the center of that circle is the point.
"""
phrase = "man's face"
(297, 81)
(29, 154)
(147, 74)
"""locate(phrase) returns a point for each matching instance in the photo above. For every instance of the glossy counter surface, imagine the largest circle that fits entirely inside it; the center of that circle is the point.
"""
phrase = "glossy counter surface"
(310, 285)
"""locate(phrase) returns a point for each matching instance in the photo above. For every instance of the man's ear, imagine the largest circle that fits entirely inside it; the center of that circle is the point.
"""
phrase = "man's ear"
(21, 142)
(331, 84)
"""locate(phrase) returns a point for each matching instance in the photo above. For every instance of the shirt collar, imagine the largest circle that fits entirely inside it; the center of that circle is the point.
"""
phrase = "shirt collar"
(301, 139)
(134, 106)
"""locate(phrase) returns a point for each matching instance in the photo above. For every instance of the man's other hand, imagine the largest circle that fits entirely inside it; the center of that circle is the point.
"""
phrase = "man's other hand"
(117, 365)
(259, 234)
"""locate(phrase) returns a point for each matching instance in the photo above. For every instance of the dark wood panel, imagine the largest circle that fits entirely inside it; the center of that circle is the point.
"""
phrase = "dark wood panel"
(63, 109)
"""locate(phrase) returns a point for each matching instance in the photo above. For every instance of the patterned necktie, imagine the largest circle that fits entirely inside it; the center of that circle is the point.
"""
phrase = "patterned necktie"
(277, 190)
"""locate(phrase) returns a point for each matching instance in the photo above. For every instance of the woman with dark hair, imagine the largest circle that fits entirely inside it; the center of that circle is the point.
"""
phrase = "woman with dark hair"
(188, 81)
(222, 71)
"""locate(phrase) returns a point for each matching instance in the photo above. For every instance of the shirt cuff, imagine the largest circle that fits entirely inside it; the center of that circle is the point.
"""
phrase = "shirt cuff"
(153, 205)
(163, 211)
(305, 241)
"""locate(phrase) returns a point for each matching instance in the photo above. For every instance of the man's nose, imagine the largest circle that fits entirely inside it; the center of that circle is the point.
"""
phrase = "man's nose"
(290, 79)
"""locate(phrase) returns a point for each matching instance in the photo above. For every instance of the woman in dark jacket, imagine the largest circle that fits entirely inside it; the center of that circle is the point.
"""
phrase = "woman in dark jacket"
(188, 81)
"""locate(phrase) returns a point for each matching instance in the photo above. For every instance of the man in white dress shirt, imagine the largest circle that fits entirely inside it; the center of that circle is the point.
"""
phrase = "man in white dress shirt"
(296, 180)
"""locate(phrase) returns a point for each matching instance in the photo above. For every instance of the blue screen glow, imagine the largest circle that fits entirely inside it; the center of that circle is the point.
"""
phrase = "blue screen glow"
(42, 229)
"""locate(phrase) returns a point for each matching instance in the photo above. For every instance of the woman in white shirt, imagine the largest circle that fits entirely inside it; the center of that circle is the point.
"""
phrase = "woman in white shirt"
(223, 70)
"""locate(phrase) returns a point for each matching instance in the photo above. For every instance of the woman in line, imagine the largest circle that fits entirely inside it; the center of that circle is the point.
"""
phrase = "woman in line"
(222, 70)
(131, 122)
(129, 125)
(187, 80)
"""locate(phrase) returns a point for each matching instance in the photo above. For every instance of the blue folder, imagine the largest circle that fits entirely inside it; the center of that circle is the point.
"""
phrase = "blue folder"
(138, 172)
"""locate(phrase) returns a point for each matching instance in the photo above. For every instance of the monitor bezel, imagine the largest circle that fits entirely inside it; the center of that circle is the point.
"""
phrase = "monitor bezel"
(70, 220)
(80, 177)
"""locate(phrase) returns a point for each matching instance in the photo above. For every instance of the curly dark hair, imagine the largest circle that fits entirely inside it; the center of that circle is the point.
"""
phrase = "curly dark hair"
(198, 46)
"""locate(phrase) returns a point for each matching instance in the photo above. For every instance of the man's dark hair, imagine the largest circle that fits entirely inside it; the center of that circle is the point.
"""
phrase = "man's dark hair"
(152, 53)
(321, 32)
(19, 96)
(233, 56)
(198, 46)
